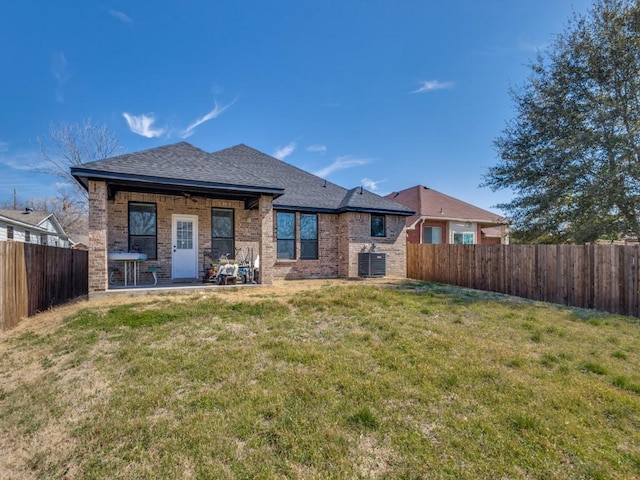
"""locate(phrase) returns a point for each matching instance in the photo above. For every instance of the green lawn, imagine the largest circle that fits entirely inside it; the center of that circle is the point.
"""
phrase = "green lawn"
(410, 380)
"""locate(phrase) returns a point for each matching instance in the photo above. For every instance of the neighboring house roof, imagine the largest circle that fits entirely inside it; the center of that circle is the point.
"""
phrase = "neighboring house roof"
(80, 239)
(33, 220)
(236, 169)
(492, 232)
(429, 203)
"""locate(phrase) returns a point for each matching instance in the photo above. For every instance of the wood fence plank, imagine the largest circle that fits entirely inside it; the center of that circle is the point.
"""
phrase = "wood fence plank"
(603, 277)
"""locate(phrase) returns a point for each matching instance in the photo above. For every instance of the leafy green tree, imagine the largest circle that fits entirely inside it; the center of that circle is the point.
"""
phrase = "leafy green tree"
(571, 154)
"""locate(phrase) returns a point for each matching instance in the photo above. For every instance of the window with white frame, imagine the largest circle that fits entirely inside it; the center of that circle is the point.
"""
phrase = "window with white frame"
(432, 235)
(9, 232)
(464, 238)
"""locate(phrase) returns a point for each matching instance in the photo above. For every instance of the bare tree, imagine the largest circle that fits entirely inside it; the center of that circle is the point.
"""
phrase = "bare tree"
(71, 144)
(70, 211)
(67, 145)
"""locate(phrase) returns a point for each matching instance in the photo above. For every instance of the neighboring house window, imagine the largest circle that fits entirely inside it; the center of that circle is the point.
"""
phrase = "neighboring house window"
(143, 229)
(432, 235)
(308, 236)
(286, 235)
(43, 239)
(377, 226)
(27, 236)
(222, 232)
(9, 232)
(464, 238)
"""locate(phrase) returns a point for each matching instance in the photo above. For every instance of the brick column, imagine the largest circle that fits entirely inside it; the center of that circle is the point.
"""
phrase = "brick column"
(343, 245)
(267, 247)
(98, 277)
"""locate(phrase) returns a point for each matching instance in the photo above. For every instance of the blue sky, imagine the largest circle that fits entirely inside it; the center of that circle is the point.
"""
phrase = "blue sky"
(385, 94)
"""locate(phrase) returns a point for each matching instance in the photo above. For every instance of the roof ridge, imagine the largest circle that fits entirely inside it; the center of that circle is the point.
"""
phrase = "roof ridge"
(281, 161)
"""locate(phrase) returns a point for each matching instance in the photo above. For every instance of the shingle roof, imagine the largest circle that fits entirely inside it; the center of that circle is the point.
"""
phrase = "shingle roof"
(238, 167)
(430, 203)
(32, 217)
(305, 190)
(179, 161)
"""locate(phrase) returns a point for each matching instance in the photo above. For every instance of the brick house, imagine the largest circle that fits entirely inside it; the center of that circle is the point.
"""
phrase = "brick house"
(177, 203)
(439, 218)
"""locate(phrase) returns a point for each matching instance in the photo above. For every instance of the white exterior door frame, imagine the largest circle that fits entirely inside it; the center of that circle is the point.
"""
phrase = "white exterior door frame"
(184, 246)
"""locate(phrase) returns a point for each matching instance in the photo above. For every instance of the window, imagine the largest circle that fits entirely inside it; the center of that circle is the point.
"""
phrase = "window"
(286, 235)
(308, 236)
(143, 229)
(222, 232)
(9, 232)
(27, 236)
(377, 226)
(432, 235)
(464, 238)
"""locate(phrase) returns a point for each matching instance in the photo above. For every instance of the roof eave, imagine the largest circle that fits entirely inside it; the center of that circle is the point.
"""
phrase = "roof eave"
(382, 211)
(28, 226)
(81, 173)
(494, 223)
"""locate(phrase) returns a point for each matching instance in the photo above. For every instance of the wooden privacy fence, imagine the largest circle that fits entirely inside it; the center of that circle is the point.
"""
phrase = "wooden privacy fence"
(34, 278)
(603, 277)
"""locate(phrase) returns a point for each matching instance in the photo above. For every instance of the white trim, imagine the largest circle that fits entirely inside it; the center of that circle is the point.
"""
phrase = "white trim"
(193, 218)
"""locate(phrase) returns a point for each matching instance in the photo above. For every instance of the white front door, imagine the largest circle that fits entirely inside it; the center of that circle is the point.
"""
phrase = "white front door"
(184, 238)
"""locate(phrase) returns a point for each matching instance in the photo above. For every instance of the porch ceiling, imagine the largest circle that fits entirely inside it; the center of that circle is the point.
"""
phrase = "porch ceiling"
(250, 199)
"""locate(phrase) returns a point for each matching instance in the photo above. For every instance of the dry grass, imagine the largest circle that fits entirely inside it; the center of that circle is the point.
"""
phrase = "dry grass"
(318, 379)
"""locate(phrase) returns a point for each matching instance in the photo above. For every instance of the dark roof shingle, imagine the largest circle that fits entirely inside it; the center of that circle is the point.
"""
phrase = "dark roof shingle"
(243, 167)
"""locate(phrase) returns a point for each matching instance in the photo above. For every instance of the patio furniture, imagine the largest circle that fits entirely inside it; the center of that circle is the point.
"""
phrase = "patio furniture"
(130, 261)
(154, 271)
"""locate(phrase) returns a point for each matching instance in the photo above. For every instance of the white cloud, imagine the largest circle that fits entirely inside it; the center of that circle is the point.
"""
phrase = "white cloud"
(340, 163)
(143, 125)
(372, 185)
(317, 148)
(282, 153)
(431, 85)
(123, 17)
(187, 132)
(60, 71)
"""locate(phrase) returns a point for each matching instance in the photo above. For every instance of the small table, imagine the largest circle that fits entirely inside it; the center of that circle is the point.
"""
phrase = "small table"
(130, 261)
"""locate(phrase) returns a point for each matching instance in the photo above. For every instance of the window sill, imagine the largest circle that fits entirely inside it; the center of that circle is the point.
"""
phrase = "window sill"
(285, 261)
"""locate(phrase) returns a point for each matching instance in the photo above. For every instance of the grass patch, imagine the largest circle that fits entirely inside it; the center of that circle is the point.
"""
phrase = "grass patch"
(593, 367)
(412, 380)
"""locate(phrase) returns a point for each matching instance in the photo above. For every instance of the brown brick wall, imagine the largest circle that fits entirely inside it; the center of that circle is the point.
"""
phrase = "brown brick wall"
(247, 225)
(327, 264)
(356, 231)
(340, 237)
(98, 218)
